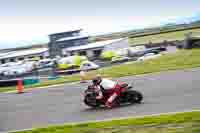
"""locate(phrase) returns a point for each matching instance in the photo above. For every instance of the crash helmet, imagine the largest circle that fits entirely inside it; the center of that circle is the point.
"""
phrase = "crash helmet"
(97, 80)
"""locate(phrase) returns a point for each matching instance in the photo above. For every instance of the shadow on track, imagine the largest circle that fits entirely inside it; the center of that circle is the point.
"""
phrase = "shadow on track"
(103, 108)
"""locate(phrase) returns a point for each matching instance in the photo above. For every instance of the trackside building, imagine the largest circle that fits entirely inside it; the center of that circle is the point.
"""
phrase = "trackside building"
(62, 40)
(94, 50)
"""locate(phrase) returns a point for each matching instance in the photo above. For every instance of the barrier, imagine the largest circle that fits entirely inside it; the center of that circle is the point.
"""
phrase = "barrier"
(7, 83)
(14, 82)
(52, 77)
(19, 83)
(31, 81)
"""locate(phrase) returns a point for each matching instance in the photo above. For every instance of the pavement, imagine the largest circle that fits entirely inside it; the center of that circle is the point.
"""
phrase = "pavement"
(163, 92)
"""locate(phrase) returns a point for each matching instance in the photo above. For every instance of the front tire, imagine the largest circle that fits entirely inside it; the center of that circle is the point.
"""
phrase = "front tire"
(134, 96)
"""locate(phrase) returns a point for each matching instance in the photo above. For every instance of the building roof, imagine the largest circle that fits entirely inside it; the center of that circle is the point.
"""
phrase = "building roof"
(72, 38)
(5, 53)
(70, 31)
(20, 53)
(93, 45)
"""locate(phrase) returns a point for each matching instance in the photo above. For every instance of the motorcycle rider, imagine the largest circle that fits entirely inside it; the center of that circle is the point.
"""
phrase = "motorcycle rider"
(102, 83)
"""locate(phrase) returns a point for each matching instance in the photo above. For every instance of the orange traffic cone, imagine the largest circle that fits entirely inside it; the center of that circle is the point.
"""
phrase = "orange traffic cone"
(20, 86)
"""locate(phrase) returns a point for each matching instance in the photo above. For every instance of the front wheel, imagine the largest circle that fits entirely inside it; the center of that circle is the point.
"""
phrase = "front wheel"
(134, 96)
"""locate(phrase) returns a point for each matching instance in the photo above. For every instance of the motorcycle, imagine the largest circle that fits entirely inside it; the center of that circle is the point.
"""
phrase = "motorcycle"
(126, 95)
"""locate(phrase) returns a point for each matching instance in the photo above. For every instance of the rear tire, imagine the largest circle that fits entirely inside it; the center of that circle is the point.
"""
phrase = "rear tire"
(91, 101)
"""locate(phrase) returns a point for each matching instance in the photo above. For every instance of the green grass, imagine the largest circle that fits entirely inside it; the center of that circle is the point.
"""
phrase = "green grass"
(157, 38)
(175, 123)
(181, 60)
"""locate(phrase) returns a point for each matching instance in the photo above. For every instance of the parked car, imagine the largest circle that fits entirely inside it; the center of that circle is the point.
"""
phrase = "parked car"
(15, 71)
(71, 62)
(17, 68)
(88, 65)
(8, 68)
(3, 69)
(45, 63)
(148, 56)
(119, 59)
(155, 50)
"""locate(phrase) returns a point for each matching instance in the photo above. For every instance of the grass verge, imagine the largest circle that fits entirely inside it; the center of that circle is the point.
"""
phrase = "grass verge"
(170, 36)
(181, 122)
(181, 60)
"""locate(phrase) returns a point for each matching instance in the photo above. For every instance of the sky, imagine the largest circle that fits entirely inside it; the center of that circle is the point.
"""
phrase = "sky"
(24, 22)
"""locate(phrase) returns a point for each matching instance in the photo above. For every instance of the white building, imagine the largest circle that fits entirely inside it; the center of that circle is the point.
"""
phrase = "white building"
(94, 50)
(91, 50)
(14, 56)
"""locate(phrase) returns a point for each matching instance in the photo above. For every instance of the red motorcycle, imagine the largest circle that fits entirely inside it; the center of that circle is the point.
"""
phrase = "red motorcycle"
(124, 91)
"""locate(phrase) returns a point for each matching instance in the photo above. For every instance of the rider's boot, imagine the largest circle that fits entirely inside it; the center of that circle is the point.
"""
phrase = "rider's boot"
(110, 100)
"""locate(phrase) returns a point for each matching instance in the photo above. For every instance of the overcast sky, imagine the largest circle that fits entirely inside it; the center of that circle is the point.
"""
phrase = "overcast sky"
(25, 21)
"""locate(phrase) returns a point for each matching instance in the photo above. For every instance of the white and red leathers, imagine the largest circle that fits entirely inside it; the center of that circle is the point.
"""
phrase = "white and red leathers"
(106, 84)
(98, 91)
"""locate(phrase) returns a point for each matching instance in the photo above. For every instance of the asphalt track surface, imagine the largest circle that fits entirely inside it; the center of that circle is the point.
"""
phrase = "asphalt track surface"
(163, 92)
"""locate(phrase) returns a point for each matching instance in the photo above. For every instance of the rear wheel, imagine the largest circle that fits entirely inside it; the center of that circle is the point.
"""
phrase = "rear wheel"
(134, 96)
(91, 101)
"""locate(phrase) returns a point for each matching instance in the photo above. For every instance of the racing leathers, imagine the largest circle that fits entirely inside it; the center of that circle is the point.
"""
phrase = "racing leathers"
(106, 84)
